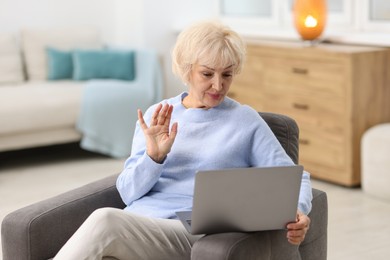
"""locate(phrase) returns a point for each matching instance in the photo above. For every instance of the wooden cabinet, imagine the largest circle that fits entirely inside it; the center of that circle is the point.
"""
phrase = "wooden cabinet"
(334, 92)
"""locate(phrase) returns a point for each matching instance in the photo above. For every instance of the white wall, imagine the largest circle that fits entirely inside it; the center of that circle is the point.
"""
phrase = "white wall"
(18, 14)
(129, 23)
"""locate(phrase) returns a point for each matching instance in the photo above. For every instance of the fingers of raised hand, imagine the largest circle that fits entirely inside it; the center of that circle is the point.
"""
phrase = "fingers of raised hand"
(162, 115)
(156, 114)
(173, 133)
(165, 115)
(141, 120)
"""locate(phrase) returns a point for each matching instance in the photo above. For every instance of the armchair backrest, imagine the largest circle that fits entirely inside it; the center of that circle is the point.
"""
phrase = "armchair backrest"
(286, 131)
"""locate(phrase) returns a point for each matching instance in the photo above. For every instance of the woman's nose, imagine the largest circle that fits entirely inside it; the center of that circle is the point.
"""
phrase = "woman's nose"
(218, 83)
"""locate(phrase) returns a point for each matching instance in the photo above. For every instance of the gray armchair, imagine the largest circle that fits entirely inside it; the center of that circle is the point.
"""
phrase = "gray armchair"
(38, 231)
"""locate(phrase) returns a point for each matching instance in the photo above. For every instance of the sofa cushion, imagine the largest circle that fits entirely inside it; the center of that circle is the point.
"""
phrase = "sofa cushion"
(59, 64)
(103, 64)
(35, 42)
(11, 69)
(39, 105)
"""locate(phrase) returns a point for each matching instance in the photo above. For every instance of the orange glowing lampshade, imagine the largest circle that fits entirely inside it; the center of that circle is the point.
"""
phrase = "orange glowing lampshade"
(310, 18)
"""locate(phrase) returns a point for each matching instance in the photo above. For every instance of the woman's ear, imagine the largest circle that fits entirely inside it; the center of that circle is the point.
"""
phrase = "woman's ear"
(187, 80)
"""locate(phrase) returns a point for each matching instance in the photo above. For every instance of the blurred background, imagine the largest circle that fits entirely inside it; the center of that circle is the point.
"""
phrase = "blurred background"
(358, 222)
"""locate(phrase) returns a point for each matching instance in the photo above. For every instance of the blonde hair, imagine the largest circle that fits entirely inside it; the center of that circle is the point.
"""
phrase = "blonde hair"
(210, 43)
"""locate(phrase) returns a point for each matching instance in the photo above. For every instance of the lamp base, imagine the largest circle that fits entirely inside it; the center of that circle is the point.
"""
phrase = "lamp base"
(311, 43)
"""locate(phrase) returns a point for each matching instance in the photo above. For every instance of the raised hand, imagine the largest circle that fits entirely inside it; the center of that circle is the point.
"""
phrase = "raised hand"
(159, 140)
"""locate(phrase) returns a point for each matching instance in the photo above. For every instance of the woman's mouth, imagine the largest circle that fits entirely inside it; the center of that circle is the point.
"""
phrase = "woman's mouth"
(215, 96)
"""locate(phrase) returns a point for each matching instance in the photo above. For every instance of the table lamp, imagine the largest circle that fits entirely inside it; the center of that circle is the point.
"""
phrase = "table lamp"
(309, 18)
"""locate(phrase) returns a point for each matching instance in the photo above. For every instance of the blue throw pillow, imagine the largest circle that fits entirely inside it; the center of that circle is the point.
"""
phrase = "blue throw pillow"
(60, 64)
(103, 64)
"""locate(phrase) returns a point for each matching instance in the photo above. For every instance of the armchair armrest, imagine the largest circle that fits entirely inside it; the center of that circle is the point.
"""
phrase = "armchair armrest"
(38, 231)
(316, 241)
(247, 245)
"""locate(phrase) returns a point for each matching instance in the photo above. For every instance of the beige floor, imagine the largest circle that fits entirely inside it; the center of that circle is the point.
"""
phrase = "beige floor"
(359, 225)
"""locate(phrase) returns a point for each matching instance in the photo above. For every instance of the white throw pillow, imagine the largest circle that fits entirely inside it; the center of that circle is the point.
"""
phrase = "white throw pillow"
(11, 69)
(34, 43)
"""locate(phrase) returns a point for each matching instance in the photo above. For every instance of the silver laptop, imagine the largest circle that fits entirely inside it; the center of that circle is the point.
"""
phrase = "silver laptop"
(243, 200)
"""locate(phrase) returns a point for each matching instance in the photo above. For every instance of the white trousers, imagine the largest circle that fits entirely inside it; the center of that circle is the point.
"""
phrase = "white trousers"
(110, 233)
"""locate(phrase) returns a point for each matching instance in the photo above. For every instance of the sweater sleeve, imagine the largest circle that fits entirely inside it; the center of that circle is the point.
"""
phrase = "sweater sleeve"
(140, 172)
(305, 194)
(267, 151)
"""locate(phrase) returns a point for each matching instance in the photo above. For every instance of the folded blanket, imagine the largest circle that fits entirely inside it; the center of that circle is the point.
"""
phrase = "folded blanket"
(109, 107)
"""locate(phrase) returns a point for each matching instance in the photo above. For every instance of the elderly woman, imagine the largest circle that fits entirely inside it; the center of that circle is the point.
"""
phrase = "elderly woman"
(201, 129)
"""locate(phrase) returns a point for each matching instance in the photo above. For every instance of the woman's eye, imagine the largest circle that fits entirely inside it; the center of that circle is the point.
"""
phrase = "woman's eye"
(206, 74)
(227, 75)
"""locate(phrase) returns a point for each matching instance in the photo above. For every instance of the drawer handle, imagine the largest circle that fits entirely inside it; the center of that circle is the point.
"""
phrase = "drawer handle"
(301, 106)
(300, 71)
(304, 141)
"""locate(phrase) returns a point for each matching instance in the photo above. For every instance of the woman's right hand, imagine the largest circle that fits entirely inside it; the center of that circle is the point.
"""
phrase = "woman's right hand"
(159, 140)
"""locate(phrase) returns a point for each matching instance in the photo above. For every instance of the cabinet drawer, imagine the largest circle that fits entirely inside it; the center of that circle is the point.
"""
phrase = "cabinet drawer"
(328, 115)
(334, 92)
(317, 147)
(335, 175)
(315, 77)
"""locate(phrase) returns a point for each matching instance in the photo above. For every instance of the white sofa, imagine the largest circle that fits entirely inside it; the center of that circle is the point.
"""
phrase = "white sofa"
(36, 111)
(33, 110)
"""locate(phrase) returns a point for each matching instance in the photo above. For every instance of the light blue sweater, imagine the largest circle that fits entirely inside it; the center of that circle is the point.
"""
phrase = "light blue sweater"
(227, 136)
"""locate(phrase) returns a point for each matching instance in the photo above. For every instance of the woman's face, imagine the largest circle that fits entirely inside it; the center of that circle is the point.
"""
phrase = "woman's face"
(208, 86)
